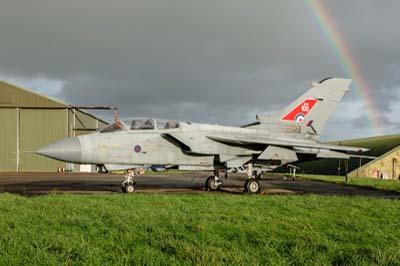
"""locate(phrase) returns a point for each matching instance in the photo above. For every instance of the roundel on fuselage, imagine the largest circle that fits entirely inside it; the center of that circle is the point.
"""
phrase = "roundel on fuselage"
(137, 148)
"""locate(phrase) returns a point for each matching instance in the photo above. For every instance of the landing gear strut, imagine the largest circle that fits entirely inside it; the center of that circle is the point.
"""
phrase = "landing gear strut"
(214, 183)
(128, 186)
(252, 186)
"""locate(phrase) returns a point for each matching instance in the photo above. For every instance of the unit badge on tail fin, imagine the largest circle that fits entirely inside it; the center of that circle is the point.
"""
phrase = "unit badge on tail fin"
(300, 112)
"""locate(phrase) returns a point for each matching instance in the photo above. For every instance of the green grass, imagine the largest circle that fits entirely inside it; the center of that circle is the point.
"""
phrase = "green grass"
(379, 184)
(202, 229)
(377, 145)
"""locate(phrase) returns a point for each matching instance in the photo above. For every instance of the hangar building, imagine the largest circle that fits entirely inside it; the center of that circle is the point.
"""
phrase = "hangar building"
(30, 121)
(386, 166)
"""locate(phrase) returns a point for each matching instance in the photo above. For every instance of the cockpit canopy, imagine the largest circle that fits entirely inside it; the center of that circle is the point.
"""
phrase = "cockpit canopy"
(141, 124)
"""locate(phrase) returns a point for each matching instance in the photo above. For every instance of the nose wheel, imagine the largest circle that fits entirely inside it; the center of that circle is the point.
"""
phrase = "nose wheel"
(129, 188)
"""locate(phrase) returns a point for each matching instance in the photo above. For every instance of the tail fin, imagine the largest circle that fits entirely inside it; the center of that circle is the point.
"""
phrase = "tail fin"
(314, 108)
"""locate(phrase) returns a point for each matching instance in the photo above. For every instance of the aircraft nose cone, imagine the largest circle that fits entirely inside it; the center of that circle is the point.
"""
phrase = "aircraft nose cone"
(67, 150)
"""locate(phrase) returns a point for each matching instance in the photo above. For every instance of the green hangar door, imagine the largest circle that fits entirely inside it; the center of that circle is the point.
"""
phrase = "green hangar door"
(38, 128)
(8, 140)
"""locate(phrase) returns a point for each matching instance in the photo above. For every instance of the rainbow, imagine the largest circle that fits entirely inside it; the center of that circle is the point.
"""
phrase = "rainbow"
(346, 59)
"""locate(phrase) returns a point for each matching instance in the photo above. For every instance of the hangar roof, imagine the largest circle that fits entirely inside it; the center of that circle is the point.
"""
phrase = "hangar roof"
(13, 96)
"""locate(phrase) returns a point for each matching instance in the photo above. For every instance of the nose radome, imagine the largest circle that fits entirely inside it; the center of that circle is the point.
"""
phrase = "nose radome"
(67, 150)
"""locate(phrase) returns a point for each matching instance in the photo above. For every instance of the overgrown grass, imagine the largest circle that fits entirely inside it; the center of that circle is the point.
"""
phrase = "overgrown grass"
(206, 229)
(379, 184)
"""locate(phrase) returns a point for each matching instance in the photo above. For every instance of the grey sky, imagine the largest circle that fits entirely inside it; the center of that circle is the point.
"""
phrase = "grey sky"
(218, 61)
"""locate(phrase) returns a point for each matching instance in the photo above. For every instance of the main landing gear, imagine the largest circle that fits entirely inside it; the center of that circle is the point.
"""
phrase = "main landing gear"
(213, 183)
(128, 186)
(251, 186)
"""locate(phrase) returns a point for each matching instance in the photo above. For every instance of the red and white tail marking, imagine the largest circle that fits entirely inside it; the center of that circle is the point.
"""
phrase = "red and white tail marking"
(299, 113)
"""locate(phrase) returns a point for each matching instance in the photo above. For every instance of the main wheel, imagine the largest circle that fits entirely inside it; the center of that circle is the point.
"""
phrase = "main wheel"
(212, 184)
(130, 188)
(123, 188)
(252, 186)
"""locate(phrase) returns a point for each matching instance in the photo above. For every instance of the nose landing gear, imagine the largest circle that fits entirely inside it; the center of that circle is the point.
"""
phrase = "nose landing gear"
(128, 186)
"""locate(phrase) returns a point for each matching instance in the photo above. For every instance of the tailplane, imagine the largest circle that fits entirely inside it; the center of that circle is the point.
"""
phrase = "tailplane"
(312, 110)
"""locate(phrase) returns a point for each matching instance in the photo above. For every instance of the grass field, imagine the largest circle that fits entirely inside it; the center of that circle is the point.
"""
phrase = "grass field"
(379, 184)
(201, 229)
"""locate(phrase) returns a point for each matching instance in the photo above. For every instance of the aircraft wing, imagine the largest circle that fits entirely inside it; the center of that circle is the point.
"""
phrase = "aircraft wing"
(246, 140)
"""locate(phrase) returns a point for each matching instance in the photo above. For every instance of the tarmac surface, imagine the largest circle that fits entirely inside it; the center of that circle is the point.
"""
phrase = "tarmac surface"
(31, 184)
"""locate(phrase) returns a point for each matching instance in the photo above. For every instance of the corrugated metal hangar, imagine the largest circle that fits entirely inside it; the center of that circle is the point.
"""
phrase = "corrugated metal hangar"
(386, 166)
(30, 121)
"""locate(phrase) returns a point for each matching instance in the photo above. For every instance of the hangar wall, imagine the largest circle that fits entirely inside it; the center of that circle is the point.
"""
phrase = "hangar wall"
(8, 139)
(386, 166)
(30, 121)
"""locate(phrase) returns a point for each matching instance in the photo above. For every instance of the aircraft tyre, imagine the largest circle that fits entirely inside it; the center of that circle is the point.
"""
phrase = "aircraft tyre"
(252, 186)
(130, 188)
(213, 184)
(123, 189)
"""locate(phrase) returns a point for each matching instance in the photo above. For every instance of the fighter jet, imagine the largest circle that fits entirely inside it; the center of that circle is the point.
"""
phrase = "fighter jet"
(291, 135)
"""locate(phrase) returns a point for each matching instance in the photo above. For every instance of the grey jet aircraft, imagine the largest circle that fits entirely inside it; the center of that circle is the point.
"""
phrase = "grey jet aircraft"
(291, 135)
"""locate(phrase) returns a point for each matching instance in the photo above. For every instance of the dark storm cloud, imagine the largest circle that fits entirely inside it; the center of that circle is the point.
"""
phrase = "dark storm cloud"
(364, 121)
(212, 61)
